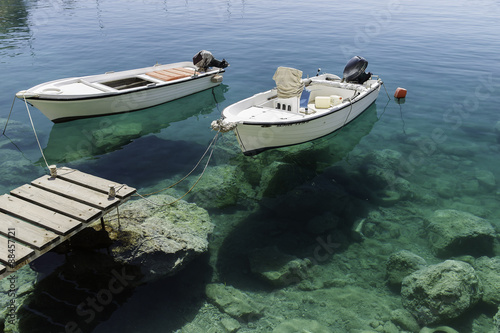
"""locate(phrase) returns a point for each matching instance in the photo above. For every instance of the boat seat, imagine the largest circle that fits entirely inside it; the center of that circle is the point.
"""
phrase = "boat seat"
(287, 104)
(171, 74)
(304, 98)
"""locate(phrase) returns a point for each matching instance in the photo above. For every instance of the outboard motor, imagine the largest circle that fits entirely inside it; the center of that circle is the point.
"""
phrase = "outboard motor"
(354, 71)
(205, 59)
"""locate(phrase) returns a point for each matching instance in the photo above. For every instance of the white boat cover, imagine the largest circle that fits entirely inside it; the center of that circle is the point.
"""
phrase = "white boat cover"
(288, 82)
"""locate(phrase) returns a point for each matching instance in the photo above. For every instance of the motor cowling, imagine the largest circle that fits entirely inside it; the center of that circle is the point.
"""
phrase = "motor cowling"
(354, 70)
(204, 59)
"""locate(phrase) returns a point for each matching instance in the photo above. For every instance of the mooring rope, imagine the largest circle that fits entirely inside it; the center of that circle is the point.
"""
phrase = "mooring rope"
(210, 148)
(34, 131)
(8, 118)
(386, 90)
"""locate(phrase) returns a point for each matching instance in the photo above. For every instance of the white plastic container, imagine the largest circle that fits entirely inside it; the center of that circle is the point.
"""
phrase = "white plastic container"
(322, 102)
(335, 100)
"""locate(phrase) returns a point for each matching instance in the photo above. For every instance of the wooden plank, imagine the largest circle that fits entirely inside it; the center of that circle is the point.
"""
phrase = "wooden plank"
(76, 192)
(54, 221)
(16, 251)
(161, 76)
(188, 71)
(25, 232)
(169, 74)
(56, 203)
(94, 182)
(2, 268)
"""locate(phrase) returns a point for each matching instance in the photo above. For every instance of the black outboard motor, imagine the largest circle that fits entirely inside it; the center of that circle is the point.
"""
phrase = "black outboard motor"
(205, 59)
(354, 71)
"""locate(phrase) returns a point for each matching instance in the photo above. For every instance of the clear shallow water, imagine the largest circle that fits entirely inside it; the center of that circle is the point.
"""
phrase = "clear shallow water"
(446, 54)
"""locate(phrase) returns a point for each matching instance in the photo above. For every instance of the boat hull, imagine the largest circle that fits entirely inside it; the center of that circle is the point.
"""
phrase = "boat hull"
(60, 110)
(255, 138)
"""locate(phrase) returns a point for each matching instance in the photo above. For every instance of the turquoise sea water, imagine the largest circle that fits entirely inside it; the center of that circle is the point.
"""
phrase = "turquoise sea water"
(446, 54)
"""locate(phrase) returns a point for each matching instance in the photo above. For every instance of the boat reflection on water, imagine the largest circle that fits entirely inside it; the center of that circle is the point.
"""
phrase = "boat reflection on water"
(91, 137)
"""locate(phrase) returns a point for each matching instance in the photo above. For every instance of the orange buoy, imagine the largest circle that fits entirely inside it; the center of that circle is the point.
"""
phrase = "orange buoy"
(400, 93)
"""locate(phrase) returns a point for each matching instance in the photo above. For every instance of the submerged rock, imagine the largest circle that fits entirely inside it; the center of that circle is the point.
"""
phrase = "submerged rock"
(401, 264)
(486, 178)
(404, 320)
(453, 233)
(441, 292)
(234, 302)
(301, 326)
(14, 291)
(157, 237)
(440, 329)
(222, 187)
(277, 268)
(496, 320)
(116, 135)
(488, 270)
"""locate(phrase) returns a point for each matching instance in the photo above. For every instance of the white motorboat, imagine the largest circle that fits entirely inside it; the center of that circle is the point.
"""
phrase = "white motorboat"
(125, 91)
(300, 110)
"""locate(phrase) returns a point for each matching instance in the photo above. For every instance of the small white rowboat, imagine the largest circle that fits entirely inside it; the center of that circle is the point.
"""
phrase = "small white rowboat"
(125, 91)
(300, 110)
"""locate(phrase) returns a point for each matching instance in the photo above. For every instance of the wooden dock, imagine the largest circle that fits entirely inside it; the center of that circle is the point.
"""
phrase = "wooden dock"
(36, 217)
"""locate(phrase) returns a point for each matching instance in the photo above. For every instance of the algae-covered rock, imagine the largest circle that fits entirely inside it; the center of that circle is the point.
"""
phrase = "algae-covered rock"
(488, 270)
(278, 268)
(441, 292)
(14, 290)
(116, 135)
(440, 329)
(234, 302)
(405, 320)
(486, 178)
(496, 320)
(385, 159)
(453, 233)
(158, 237)
(222, 186)
(401, 264)
(297, 325)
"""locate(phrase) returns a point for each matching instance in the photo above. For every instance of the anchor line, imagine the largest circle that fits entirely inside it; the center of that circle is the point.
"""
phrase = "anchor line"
(210, 148)
(383, 83)
(8, 118)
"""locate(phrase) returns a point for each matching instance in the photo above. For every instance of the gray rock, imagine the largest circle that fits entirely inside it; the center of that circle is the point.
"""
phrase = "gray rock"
(385, 159)
(277, 268)
(15, 289)
(230, 324)
(222, 187)
(486, 178)
(405, 320)
(441, 292)
(159, 238)
(454, 233)
(496, 320)
(488, 270)
(235, 303)
(301, 326)
(440, 329)
(401, 264)
(115, 136)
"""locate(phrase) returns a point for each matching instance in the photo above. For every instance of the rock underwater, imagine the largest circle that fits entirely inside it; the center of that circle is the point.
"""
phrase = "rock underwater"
(440, 292)
(158, 237)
